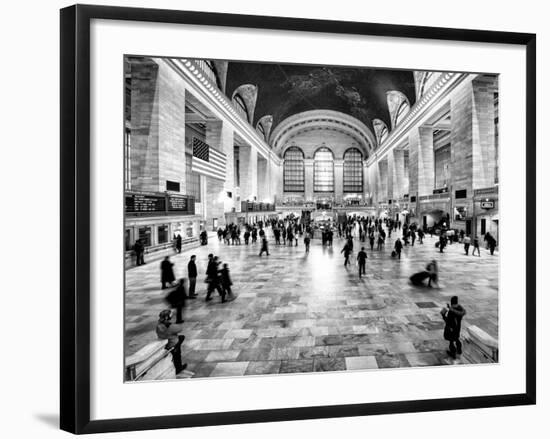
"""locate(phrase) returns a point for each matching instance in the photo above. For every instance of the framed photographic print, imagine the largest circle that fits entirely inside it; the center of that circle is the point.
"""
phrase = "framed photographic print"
(283, 218)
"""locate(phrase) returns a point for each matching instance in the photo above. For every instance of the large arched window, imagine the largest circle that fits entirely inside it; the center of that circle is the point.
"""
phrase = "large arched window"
(353, 170)
(323, 170)
(293, 170)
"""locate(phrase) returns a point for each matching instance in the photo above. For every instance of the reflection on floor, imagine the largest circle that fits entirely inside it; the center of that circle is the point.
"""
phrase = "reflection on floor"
(307, 313)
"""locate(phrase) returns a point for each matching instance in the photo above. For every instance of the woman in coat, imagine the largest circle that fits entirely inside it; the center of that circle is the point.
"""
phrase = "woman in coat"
(166, 272)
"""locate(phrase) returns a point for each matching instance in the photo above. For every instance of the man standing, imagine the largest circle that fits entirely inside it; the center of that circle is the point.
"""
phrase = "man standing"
(398, 247)
(192, 274)
(178, 243)
(452, 315)
(361, 261)
(139, 249)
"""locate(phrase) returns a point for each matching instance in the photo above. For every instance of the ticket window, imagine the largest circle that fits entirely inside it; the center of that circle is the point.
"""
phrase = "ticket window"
(189, 229)
(145, 236)
(162, 233)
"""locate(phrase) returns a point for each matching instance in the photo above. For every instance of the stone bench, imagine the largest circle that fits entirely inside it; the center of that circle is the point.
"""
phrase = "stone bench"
(151, 362)
(479, 347)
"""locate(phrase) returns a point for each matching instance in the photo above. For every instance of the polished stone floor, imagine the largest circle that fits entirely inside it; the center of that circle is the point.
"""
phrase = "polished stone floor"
(298, 312)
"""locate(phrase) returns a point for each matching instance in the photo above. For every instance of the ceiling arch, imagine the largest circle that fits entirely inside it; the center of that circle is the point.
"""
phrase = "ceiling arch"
(300, 123)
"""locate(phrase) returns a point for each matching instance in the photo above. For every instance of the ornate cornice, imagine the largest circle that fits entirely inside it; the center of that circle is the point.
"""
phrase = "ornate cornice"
(200, 85)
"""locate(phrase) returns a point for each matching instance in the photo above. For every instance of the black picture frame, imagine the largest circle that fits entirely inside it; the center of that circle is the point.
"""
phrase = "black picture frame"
(75, 217)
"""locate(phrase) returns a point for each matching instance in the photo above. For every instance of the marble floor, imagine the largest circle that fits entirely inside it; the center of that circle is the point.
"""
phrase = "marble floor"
(298, 312)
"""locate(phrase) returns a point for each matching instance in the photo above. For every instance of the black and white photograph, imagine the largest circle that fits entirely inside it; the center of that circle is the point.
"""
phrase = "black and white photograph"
(294, 218)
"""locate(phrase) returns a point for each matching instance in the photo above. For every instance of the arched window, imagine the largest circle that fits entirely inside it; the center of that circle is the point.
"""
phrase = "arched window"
(293, 170)
(323, 170)
(240, 106)
(353, 170)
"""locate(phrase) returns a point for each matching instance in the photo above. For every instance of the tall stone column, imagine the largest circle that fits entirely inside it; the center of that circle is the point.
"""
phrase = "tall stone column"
(367, 190)
(483, 132)
(276, 181)
(263, 173)
(308, 174)
(248, 157)
(383, 180)
(462, 129)
(338, 180)
(392, 191)
(421, 141)
(157, 127)
(398, 173)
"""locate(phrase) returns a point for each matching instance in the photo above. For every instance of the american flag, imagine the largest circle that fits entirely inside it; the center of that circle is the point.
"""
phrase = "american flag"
(207, 160)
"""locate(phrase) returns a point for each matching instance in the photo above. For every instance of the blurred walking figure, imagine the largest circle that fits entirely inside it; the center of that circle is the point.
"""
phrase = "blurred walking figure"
(398, 247)
(347, 251)
(491, 242)
(264, 247)
(226, 283)
(431, 268)
(467, 242)
(307, 241)
(476, 247)
(452, 315)
(166, 272)
(362, 261)
(213, 278)
(176, 299)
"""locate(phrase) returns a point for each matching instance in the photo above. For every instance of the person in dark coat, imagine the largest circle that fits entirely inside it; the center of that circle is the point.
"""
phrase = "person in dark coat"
(476, 246)
(213, 278)
(264, 247)
(176, 299)
(178, 243)
(166, 330)
(166, 272)
(362, 261)
(226, 283)
(139, 250)
(398, 246)
(491, 242)
(371, 241)
(452, 315)
(442, 241)
(192, 274)
(420, 236)
(307, 241)
(347, 251)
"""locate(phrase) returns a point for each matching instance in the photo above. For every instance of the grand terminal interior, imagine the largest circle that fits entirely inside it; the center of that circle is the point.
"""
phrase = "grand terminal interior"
(210, 143)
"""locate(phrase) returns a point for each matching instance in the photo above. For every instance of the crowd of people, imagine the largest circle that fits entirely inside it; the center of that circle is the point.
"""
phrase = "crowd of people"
(369, 232)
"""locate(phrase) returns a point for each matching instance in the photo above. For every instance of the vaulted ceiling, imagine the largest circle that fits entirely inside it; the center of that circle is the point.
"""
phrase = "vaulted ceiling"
(288, 89)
